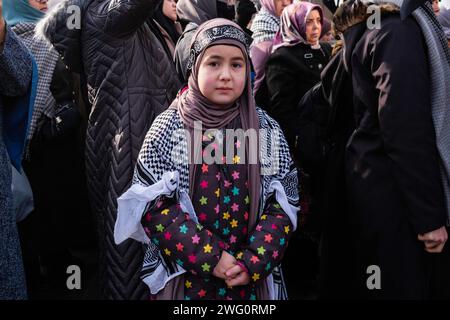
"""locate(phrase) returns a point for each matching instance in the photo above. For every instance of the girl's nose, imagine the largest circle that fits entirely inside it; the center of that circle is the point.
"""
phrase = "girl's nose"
(225, 73)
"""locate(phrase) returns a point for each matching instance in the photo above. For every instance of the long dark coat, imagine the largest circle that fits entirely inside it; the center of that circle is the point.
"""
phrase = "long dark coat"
(391, 162)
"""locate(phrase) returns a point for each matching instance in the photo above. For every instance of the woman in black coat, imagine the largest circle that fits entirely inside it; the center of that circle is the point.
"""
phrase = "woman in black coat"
(130, 80)
(295, 64)
(293, 68)
(395, 198)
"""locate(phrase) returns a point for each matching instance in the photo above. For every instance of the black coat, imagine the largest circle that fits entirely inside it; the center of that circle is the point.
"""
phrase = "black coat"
(391, 162)
(130, 80)
(290, 73)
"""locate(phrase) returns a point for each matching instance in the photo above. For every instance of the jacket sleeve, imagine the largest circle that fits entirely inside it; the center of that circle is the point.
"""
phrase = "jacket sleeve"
(62, 84)
(260, 53)
(400, 70)
(15, 66)
(266, 243)
(282, 85)
(180, 239)
(121, 18)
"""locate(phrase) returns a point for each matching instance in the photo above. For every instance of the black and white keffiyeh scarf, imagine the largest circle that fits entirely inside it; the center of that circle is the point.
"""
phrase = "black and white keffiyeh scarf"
(439, 59)
(165, 151)
(264, 26)
(46, 57)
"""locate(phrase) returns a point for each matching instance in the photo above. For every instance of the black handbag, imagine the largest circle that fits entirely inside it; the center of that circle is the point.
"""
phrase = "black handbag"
(63, 123)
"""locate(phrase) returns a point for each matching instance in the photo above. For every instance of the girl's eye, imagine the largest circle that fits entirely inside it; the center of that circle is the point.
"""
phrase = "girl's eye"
(237, 65)
(213, 64)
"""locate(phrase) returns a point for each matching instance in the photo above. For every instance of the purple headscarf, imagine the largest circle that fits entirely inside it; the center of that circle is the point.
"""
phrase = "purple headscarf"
(293, 24)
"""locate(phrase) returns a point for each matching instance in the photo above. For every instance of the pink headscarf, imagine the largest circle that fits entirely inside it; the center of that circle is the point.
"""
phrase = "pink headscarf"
(269, 5)
(293, 24)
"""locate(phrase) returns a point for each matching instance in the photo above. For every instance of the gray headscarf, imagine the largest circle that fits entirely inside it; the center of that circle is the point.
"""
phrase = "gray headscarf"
(197, 11)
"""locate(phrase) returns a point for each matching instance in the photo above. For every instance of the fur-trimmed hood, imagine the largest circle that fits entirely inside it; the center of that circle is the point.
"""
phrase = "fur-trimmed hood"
(54, 28)
(353, 12)
(349, 22)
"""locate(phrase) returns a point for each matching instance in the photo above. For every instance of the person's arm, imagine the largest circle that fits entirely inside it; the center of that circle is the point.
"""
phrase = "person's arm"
(180, 239)
(260, 53)
(2, 27)
(267, 243)
(282, 84)
(400, 70)
(62, 84)
(120, 18)
(15, 63)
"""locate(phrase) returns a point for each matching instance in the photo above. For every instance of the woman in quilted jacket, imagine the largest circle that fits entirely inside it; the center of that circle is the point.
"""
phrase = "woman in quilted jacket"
(217, 218)
(128, 78)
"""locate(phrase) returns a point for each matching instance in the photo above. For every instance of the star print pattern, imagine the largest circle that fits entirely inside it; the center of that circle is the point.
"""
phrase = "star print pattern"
(267, 242)
(181, 239)
(221, 200)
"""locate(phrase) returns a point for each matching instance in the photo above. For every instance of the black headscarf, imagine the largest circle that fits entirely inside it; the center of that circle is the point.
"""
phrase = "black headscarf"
(225, 11)
(166, 23)
(244, 12)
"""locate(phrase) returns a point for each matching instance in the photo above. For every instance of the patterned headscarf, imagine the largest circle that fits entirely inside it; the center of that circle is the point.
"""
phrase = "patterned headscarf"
(293, 24)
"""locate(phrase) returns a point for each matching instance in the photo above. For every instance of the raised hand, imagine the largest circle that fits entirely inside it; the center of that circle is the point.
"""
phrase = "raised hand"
(2, 21)
(2, 26)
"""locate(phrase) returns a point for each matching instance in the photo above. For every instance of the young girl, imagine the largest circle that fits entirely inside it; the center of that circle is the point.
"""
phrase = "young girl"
(216, 231)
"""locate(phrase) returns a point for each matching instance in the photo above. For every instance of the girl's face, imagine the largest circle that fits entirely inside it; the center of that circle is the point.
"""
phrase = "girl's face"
(313, 27)
(170, 9)
(280, 5)
(222, 74)
(40, 5)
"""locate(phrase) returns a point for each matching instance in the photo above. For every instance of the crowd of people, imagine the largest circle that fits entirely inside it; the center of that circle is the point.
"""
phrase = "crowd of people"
(226, 149)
